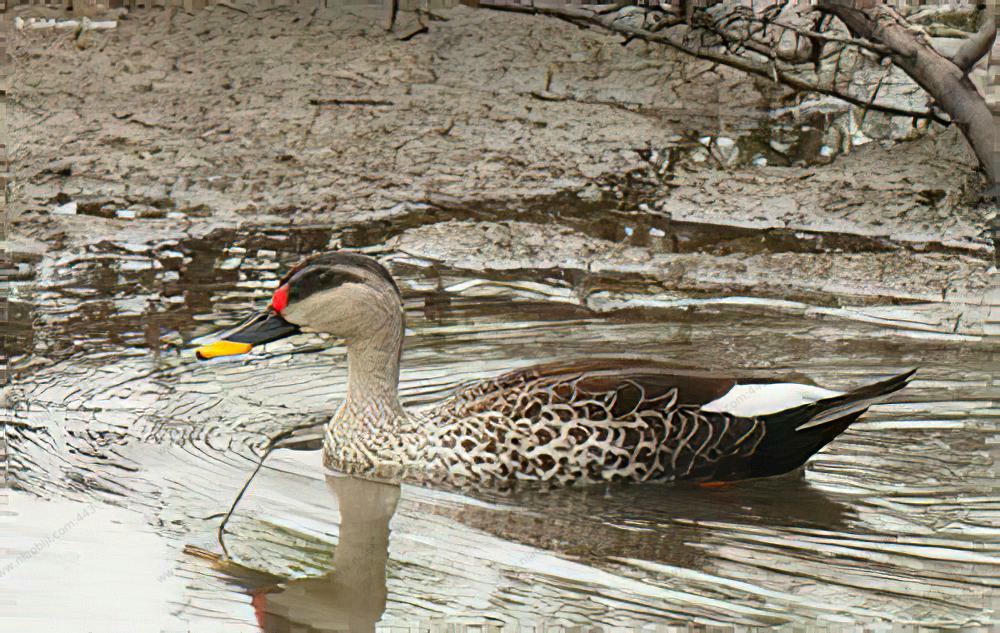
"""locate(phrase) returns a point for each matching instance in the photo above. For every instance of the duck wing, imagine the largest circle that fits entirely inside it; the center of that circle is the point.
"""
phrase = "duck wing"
(634, 380)
(607, 419)
(595, 420)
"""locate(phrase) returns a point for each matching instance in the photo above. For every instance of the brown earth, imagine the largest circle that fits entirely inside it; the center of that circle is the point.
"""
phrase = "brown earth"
(293, 116)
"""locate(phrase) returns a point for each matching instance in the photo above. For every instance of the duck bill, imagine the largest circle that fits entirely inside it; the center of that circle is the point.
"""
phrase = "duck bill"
(257, 330)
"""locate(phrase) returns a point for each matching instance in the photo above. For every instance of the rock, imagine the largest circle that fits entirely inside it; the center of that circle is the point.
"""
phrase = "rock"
(65, 209)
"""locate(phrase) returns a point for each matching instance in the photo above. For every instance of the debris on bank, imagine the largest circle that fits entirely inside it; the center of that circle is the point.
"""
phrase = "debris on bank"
(84, 24)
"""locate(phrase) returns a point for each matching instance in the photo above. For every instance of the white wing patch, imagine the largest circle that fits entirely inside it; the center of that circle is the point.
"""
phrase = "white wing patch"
(747, 401)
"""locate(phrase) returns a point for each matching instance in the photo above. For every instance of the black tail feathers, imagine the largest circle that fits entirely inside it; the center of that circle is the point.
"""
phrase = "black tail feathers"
(832, 409)
(794, 435)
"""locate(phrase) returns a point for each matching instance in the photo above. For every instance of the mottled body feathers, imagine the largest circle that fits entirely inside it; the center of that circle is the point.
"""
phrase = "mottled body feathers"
(587, 422)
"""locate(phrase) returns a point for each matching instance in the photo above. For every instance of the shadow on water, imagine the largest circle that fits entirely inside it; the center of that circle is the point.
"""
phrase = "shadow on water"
(656, 523)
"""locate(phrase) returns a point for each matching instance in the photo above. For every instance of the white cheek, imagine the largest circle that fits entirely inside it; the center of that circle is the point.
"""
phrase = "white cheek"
(294, 314)
(340, 311)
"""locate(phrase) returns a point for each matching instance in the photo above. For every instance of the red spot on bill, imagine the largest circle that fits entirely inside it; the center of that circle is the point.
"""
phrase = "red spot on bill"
(280, 299)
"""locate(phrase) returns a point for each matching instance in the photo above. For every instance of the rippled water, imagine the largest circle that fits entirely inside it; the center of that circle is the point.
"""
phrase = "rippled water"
(124, 451)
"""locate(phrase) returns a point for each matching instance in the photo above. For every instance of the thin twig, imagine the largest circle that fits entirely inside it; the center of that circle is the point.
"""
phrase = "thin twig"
(232, 7)
(221, 533)
(431, 16)
(412, 33)
(875, 48)
(611, 8)
(393, 9)
(871, 99)
(365, 101)
(664, 23)
(272, 444)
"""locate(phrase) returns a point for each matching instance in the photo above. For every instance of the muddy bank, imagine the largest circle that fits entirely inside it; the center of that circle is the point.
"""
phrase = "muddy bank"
(173, 127)
(226, 114)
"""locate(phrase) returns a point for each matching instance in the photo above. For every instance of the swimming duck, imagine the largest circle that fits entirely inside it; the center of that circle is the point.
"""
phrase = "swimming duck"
(581, 421)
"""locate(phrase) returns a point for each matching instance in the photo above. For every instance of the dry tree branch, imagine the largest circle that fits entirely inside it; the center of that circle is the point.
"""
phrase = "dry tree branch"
(756, 39)
(847, 41)
(938, 75)
(392, 9)
(978, 45)
(576, 17)
(745, 41)
(871, 100)
(771, 12)
(773, 71)
(612, 8)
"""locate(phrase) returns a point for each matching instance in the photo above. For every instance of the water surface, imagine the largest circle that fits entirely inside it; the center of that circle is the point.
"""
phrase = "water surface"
(896, 521)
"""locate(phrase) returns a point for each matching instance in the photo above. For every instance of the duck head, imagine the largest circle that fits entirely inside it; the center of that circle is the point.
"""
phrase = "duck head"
(348, 295)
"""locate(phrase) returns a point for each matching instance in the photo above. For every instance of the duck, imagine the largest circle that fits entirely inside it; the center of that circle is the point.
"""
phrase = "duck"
(579, 421)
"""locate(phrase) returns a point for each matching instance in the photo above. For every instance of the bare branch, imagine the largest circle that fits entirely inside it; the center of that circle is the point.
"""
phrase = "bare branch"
(391, 10)
(737, 31)
(865, 44)
(769, 70)
(871, 100)
(576, 17)
(611, 8)
(749, 42)
(349, 100)
(977, 46)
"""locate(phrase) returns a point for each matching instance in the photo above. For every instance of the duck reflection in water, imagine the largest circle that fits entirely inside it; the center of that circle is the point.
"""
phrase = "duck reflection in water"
(352, 596)
(674, 525)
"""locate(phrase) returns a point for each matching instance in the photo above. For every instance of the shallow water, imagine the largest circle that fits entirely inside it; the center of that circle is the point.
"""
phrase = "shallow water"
(125, 448)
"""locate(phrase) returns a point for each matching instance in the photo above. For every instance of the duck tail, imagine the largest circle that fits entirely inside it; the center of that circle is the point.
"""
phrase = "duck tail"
(857, 401)
(796, 434)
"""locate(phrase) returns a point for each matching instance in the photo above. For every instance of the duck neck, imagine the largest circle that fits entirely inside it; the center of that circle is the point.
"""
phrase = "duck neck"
(372, 399)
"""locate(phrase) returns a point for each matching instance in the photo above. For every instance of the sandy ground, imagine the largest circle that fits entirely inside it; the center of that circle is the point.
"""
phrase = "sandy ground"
(292, 116)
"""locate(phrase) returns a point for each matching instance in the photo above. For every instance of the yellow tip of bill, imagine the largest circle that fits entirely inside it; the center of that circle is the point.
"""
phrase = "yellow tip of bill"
(222, 348)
